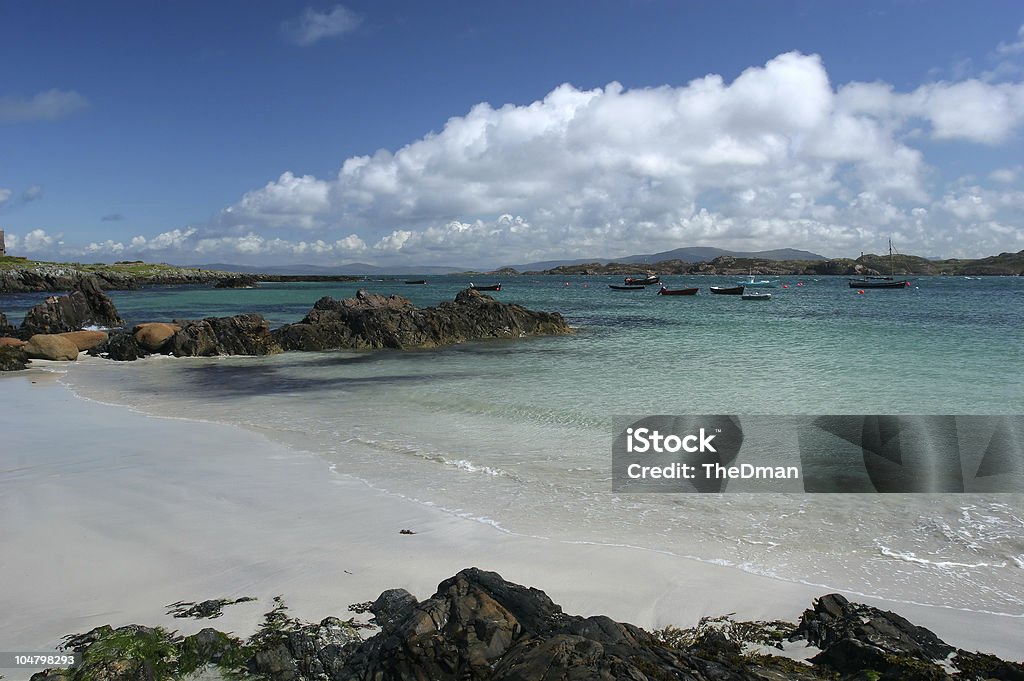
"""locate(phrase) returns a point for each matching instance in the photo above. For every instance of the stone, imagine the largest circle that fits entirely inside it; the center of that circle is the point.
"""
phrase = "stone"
(86, 340)
(12, 358)
(245, 334)
(52, 347)
(87, 305)
(9, 342)
(120, 346)
(154, 335)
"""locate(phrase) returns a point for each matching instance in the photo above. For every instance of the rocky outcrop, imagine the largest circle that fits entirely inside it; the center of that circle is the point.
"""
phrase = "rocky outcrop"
(370, 321)
(245, 334)
(57, 277)
(238, 281)
(6, 329)
(53, 347)
(480, 627)
(87, 305)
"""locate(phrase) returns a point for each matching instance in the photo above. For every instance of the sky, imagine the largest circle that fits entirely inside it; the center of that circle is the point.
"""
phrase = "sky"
(402, 132)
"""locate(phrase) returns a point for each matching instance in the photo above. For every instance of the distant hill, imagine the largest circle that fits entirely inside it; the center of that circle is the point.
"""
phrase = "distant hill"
(348, 268)
(692, 254)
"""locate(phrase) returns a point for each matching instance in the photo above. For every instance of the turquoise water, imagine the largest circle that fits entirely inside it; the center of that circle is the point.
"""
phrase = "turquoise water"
(517, 433)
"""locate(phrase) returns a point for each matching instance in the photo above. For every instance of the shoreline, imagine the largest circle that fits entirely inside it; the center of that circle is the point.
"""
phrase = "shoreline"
(115, 513)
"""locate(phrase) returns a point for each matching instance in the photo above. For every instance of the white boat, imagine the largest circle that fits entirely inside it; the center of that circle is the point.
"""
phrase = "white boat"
(757, 283)
(756, 295)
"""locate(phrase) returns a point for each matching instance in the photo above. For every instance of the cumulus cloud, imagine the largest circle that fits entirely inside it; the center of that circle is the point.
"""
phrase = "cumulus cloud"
(777, 157)
(45, 106)
(312, 26)
(5, 195)
(33, 192)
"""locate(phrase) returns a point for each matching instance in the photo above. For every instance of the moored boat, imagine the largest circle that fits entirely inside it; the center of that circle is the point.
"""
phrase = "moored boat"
(758, 283)
(756, 295)
(642, 281)
(416, 281)
(492, 287)
(677, 292)
(616, 287)
(727, 290)
(882, 282)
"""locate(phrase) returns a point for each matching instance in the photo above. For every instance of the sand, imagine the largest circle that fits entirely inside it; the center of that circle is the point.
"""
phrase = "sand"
(108, 515)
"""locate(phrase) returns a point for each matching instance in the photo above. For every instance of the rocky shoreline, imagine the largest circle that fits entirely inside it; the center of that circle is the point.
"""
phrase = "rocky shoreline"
(478, 626)
(53, 330)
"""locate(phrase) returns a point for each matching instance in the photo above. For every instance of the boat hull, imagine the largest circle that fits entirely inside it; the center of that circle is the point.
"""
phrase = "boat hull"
(756, 296)
(678, 292)
(615, 287)
(878, 283)
(727, 290)
(495, 287)
(645, 281)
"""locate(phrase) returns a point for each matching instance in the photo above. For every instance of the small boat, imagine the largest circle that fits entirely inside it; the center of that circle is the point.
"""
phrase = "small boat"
(756, 295)
(727, 290)
(492, 287)
(882, 282)
(616, 287)
(758, 283)
(416, 281)
(643, 281)
(677, 292)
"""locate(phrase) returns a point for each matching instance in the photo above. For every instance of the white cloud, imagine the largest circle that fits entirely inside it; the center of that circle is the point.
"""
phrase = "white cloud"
(778, 157)
(33, 192)
(5, 195)
(1016, 47)
(45, 106)
(312, 26)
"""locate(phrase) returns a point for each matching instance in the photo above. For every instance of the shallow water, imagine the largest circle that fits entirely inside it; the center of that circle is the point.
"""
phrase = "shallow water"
(518, 433)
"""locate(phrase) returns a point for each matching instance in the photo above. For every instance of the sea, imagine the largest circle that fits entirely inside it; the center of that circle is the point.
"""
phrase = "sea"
(517, 434)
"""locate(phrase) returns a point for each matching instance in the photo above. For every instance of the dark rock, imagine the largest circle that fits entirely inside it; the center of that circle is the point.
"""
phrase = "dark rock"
(239, 281)
(6, 329)
(12, 358)
(370, 321)
(120, 346)
(207, 646)
(86, 305)
(855, 637)
(245, 334)
(315, 651)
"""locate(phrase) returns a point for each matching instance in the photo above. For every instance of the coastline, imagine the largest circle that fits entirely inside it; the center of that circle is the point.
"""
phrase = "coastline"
(114, 514)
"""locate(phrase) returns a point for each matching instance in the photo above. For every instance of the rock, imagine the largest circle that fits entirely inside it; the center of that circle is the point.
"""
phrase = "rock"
(85, 306)
(120, 346)
(12, 358)
(854, 637)
(51, 346)
(5, 328)
(9, 342)
(239, 281)
(370, 321)
(154, 335)
(86, 340)
(245, 334)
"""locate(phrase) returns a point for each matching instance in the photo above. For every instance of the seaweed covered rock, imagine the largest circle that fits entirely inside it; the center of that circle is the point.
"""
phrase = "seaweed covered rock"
(371, 321)
(87, 305)
(12, 358)
(120, 346)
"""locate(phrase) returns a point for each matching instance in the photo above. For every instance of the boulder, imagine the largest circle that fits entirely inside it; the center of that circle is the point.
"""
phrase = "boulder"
(371, 321)
(120, 346)
(12, 358)
(154, 335)
(86, 340)
(5, 328)
(238, 281)
(244, 334)
(87, 305)
(51, 346)
(9, 342)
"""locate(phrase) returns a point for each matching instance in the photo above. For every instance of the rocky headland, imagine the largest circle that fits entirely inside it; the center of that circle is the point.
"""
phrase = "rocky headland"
(478, 626)
(53, 329)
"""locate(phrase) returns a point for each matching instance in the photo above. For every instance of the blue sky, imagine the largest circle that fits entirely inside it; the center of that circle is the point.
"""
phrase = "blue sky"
(484, 134)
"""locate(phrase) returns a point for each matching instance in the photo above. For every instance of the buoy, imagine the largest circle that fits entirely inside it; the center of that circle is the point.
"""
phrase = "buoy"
(785, 286)
(860, 292)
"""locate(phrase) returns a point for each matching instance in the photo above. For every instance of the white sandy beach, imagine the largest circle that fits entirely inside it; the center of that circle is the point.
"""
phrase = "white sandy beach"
(108, 515)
